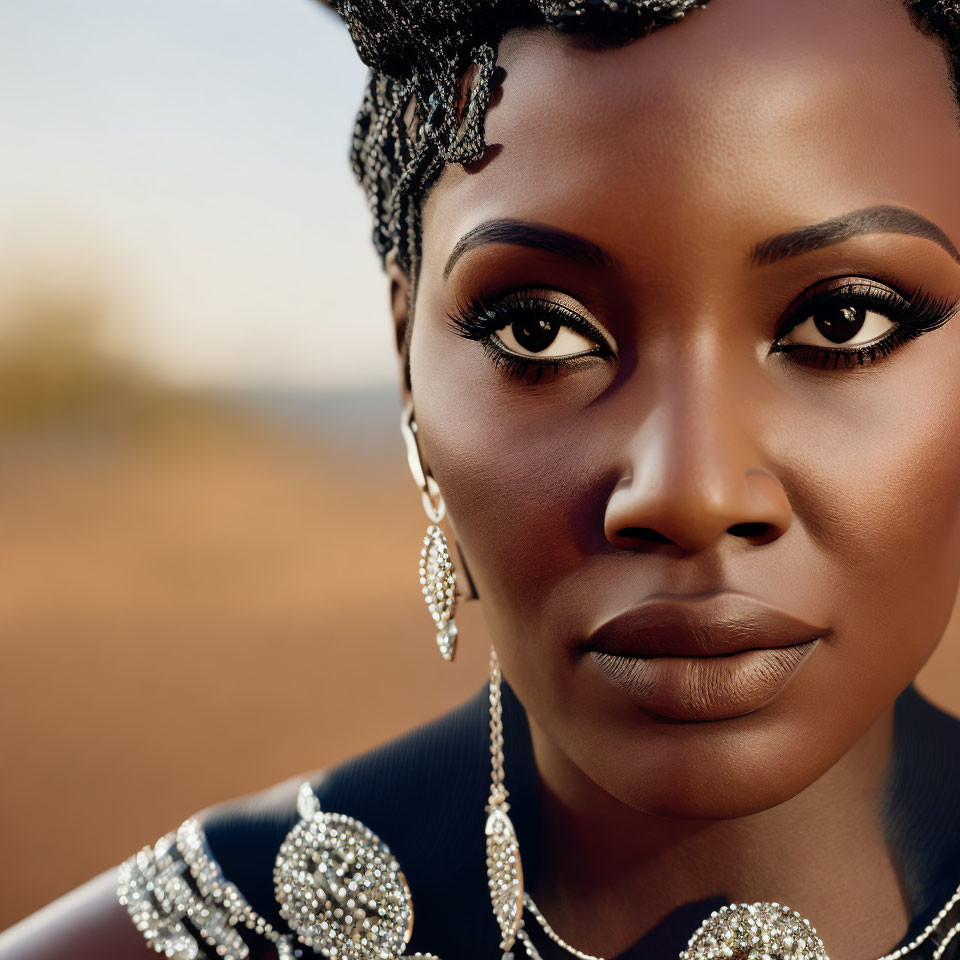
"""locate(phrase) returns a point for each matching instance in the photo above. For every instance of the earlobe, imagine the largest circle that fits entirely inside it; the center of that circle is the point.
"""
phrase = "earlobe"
(465, 568)
(429, 489)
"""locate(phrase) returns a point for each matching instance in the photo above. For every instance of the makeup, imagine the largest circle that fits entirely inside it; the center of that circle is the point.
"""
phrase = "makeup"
(912, 314)
(712, 657)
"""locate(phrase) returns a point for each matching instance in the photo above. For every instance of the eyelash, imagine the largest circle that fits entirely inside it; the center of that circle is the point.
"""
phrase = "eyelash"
(478, 320)
(915, 314)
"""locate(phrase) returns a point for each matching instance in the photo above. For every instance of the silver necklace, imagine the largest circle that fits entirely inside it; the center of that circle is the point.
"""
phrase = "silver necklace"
(345, 897)
(743, 931)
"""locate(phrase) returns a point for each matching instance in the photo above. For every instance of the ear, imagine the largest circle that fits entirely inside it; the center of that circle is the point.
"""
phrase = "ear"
(400, 308)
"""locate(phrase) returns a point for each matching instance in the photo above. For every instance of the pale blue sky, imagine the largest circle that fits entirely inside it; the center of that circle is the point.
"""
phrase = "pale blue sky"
(192, 154)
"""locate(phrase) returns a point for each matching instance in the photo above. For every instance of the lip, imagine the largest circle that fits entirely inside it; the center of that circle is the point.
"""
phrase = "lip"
(711, 657)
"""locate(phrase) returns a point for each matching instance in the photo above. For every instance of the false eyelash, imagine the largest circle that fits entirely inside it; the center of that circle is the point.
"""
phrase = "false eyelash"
(915, 314)
(476, 319)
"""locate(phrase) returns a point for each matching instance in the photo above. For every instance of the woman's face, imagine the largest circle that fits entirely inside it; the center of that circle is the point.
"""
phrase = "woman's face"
(713, 426)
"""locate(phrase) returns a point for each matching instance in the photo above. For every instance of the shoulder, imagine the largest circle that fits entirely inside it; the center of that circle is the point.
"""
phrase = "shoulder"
(379, 787)
(218, 865)
(926, 751)
(419, 793)
(170, 897)
(922, 798)
(86, 924)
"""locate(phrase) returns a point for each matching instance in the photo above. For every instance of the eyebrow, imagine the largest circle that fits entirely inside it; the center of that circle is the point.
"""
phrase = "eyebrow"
(537, 236)
(882, 219)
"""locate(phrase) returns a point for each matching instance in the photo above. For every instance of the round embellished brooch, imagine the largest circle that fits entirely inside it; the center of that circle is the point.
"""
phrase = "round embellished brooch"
(755, 931)
(339, 888)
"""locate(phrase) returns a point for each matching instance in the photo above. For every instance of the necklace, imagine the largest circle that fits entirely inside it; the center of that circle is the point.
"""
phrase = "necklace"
(344, 896)
(550, 932)
(744, 931)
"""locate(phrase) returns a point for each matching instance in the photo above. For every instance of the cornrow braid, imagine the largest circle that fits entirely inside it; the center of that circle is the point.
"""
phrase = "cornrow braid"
(433, 72)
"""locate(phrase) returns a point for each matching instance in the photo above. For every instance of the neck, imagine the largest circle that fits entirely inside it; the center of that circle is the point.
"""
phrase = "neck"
(612, 875)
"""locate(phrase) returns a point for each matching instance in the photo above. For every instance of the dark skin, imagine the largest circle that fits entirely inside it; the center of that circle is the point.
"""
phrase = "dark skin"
(691, 458)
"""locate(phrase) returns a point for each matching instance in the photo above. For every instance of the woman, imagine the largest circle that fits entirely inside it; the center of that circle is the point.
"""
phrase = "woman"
(674, 321)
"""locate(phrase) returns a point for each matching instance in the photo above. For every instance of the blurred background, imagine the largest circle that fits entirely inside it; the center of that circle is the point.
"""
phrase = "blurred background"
(208, 537)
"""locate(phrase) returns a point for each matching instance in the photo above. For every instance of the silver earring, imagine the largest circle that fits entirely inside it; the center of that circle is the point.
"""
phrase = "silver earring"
(504, 869)
(438, 578)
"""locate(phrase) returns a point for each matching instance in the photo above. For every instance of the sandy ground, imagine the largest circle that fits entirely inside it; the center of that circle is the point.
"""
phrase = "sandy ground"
(200, 615)
(193, 618)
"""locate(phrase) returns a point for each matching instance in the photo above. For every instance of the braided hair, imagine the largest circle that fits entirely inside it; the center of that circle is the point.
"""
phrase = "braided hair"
(433, 71)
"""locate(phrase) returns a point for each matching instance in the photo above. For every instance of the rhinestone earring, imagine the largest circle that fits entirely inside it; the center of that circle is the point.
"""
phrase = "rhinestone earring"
(438, 578)
(504, 869)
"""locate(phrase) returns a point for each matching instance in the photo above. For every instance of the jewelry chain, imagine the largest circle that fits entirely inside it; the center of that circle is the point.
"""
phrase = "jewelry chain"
(928, 930)
(551, 933)
(498, 795)
(498, 792)
(532, 952)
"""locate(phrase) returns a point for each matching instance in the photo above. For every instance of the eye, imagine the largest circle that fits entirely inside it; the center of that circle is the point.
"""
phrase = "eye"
(857, 321)
(532, 330)
(538, 331)
(832, 325)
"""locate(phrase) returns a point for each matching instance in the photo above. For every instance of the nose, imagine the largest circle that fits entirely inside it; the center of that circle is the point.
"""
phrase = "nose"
(692, 468)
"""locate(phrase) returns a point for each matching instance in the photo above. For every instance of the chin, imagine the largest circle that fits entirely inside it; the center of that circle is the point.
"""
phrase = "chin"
(725, 785)
(711, 771)
(717, 769)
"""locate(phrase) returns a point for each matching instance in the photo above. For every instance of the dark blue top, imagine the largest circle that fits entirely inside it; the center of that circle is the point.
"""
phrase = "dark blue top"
(424, 794)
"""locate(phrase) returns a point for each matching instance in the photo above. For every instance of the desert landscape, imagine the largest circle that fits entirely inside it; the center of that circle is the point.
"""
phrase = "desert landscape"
(198, 601)
(201, 597)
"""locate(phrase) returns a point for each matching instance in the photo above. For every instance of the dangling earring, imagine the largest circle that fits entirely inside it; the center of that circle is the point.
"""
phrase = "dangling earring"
(438, 578)
(504, 869)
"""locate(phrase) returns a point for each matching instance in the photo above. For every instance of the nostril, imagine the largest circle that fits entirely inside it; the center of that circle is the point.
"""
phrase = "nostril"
(643, 533)
(749, 530)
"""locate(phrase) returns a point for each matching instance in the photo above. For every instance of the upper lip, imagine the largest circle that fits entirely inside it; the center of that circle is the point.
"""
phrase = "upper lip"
(713, 625)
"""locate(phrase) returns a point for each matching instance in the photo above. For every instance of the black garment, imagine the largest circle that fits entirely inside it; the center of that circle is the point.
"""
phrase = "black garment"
(424, 795)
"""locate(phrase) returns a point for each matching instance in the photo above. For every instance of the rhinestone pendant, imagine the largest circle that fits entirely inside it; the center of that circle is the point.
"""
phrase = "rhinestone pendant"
(438, 581)
(504, 874)
(339, 887)
(751, 931)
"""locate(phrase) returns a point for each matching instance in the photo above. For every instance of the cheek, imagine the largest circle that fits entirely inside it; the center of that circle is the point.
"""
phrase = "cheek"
(869, 460)
(514, 470)
(880, 500)
(870, 464)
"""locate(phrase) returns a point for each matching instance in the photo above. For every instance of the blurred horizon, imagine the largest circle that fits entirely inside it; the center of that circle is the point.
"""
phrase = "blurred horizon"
(210, 536)
(190, 158)
(191, 566)
(199, 443)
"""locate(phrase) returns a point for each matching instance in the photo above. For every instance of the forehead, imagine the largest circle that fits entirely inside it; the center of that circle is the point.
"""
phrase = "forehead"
(747, 117)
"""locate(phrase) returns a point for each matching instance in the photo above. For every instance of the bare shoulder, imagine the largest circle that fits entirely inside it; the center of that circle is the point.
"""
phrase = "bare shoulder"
(206, 889)
(92, 922)
(88, 922)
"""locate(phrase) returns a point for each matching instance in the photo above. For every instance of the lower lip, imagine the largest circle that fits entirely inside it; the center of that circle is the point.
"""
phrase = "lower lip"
(703, 688)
